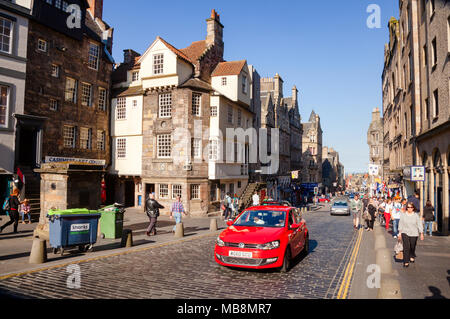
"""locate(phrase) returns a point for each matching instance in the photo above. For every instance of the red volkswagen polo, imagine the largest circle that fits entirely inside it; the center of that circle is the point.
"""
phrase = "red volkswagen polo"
(263, 237)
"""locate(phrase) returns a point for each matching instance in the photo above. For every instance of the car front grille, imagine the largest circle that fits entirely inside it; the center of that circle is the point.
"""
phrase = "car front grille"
(246, 246)
(242, 261)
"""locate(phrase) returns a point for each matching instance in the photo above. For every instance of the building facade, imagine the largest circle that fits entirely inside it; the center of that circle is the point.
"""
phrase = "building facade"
(190, 98)
(14, 19)
(416, 102)
(375, 135)
(64, 132)
(330, 170)
(281, 113)
(312, 150)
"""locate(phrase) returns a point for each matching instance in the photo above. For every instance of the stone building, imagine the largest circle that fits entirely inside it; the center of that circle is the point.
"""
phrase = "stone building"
(375, 136)
(330, 170)
(282, 113)
(416, 102)
(312, 150)
(14, 17)
(186, 100)
(64, 132)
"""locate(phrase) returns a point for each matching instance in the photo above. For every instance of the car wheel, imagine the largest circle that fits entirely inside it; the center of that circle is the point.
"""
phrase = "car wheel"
(286, 261)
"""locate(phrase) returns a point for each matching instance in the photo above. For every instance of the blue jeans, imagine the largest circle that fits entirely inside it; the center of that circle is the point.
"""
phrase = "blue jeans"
(23, 216)
(428, 226)
(177, 217)
(395, 223)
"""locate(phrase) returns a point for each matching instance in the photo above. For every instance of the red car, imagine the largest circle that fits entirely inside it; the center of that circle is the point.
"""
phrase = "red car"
(263, 237)
(324, 200)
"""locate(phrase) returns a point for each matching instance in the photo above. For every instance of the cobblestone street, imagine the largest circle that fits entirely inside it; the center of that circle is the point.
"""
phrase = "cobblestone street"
(187, 270)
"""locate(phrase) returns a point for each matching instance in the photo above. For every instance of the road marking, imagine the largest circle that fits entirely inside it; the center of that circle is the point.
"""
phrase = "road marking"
(343, 290)
(102, 257)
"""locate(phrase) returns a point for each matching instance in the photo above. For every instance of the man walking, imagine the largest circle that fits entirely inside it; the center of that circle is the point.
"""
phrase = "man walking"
(356, 207)
(176, 212)
(255, 199)
(152, 209)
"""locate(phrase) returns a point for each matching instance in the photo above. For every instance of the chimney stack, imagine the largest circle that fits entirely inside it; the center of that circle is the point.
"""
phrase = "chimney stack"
(129, 56)
(96, 8)
(278, 81)
(214, 30)
(294, 96)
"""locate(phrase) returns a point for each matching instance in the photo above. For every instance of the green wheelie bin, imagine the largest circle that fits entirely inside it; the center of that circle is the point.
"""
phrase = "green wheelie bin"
(111, 222)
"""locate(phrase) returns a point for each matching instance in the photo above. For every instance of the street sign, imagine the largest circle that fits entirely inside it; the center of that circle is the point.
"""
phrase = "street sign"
(373, 170)
(418, 173)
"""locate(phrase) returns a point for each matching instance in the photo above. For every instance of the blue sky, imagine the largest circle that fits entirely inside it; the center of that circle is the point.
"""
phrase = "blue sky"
(323, 47)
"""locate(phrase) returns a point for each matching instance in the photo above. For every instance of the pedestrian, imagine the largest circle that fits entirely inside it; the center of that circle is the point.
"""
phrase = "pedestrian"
(410, 227)
(176, 212)
(25, 209)
(388, 212)
(365, 202)
(227, 203)
(255, 199)
(13, 210)
(428, 218)
(235, 206)
(415, 199)
(381, 210)
(396, 213)
(372, 210)
(152, 209)
(356, 208)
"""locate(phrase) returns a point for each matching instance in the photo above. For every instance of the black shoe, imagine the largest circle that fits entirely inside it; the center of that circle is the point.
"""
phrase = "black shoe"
(405, 265)
(412, 260)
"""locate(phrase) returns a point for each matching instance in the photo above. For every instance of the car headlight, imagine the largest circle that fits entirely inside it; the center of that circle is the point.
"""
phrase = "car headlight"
(220, 242)
(268, 246)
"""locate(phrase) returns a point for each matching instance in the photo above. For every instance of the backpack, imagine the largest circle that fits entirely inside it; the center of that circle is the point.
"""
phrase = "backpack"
(6, 206)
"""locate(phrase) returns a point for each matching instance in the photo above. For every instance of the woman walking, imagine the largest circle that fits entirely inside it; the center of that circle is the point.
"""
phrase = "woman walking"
(428, 218)
(387, 213)
(410, 227)
(372, 209)
(14, 204)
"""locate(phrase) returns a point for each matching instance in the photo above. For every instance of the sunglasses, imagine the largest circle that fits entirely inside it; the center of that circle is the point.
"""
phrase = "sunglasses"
(410, 207)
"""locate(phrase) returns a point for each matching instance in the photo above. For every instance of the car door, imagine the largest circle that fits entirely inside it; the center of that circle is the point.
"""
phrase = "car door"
(302, 229)
(294, 234)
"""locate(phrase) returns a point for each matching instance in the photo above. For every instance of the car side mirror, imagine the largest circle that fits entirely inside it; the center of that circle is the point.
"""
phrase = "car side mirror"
(295, 226)
(230, 222)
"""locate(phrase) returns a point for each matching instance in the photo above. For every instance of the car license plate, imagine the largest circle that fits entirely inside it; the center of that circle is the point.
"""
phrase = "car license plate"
(240, 254)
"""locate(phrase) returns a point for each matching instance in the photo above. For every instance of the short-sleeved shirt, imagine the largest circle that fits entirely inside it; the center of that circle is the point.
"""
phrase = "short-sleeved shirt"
(177, 207)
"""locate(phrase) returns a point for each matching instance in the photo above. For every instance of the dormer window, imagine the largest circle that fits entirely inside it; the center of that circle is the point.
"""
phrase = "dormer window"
(244, 84)
(158, 64)
(135, 76)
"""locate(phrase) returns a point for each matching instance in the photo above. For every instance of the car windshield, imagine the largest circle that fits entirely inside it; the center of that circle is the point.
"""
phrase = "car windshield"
(340, 204)
(263, 218)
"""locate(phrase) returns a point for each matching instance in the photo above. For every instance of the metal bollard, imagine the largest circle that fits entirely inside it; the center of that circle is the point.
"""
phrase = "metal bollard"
(213, 225)
(38, 253)
(127, 238)
(179, 230)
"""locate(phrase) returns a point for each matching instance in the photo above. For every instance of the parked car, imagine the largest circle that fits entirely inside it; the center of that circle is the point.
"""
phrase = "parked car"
(340, 208)
(263, 237)
(324, 199)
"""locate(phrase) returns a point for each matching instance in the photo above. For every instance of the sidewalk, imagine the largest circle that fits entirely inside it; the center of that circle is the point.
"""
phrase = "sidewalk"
(427, 278)
(15, 248)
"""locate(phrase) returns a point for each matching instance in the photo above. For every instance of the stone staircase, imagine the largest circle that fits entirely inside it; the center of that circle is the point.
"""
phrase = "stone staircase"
(246, 198)
(32, 191)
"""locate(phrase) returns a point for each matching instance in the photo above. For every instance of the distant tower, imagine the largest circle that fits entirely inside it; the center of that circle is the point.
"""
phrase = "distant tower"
(294, 96)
